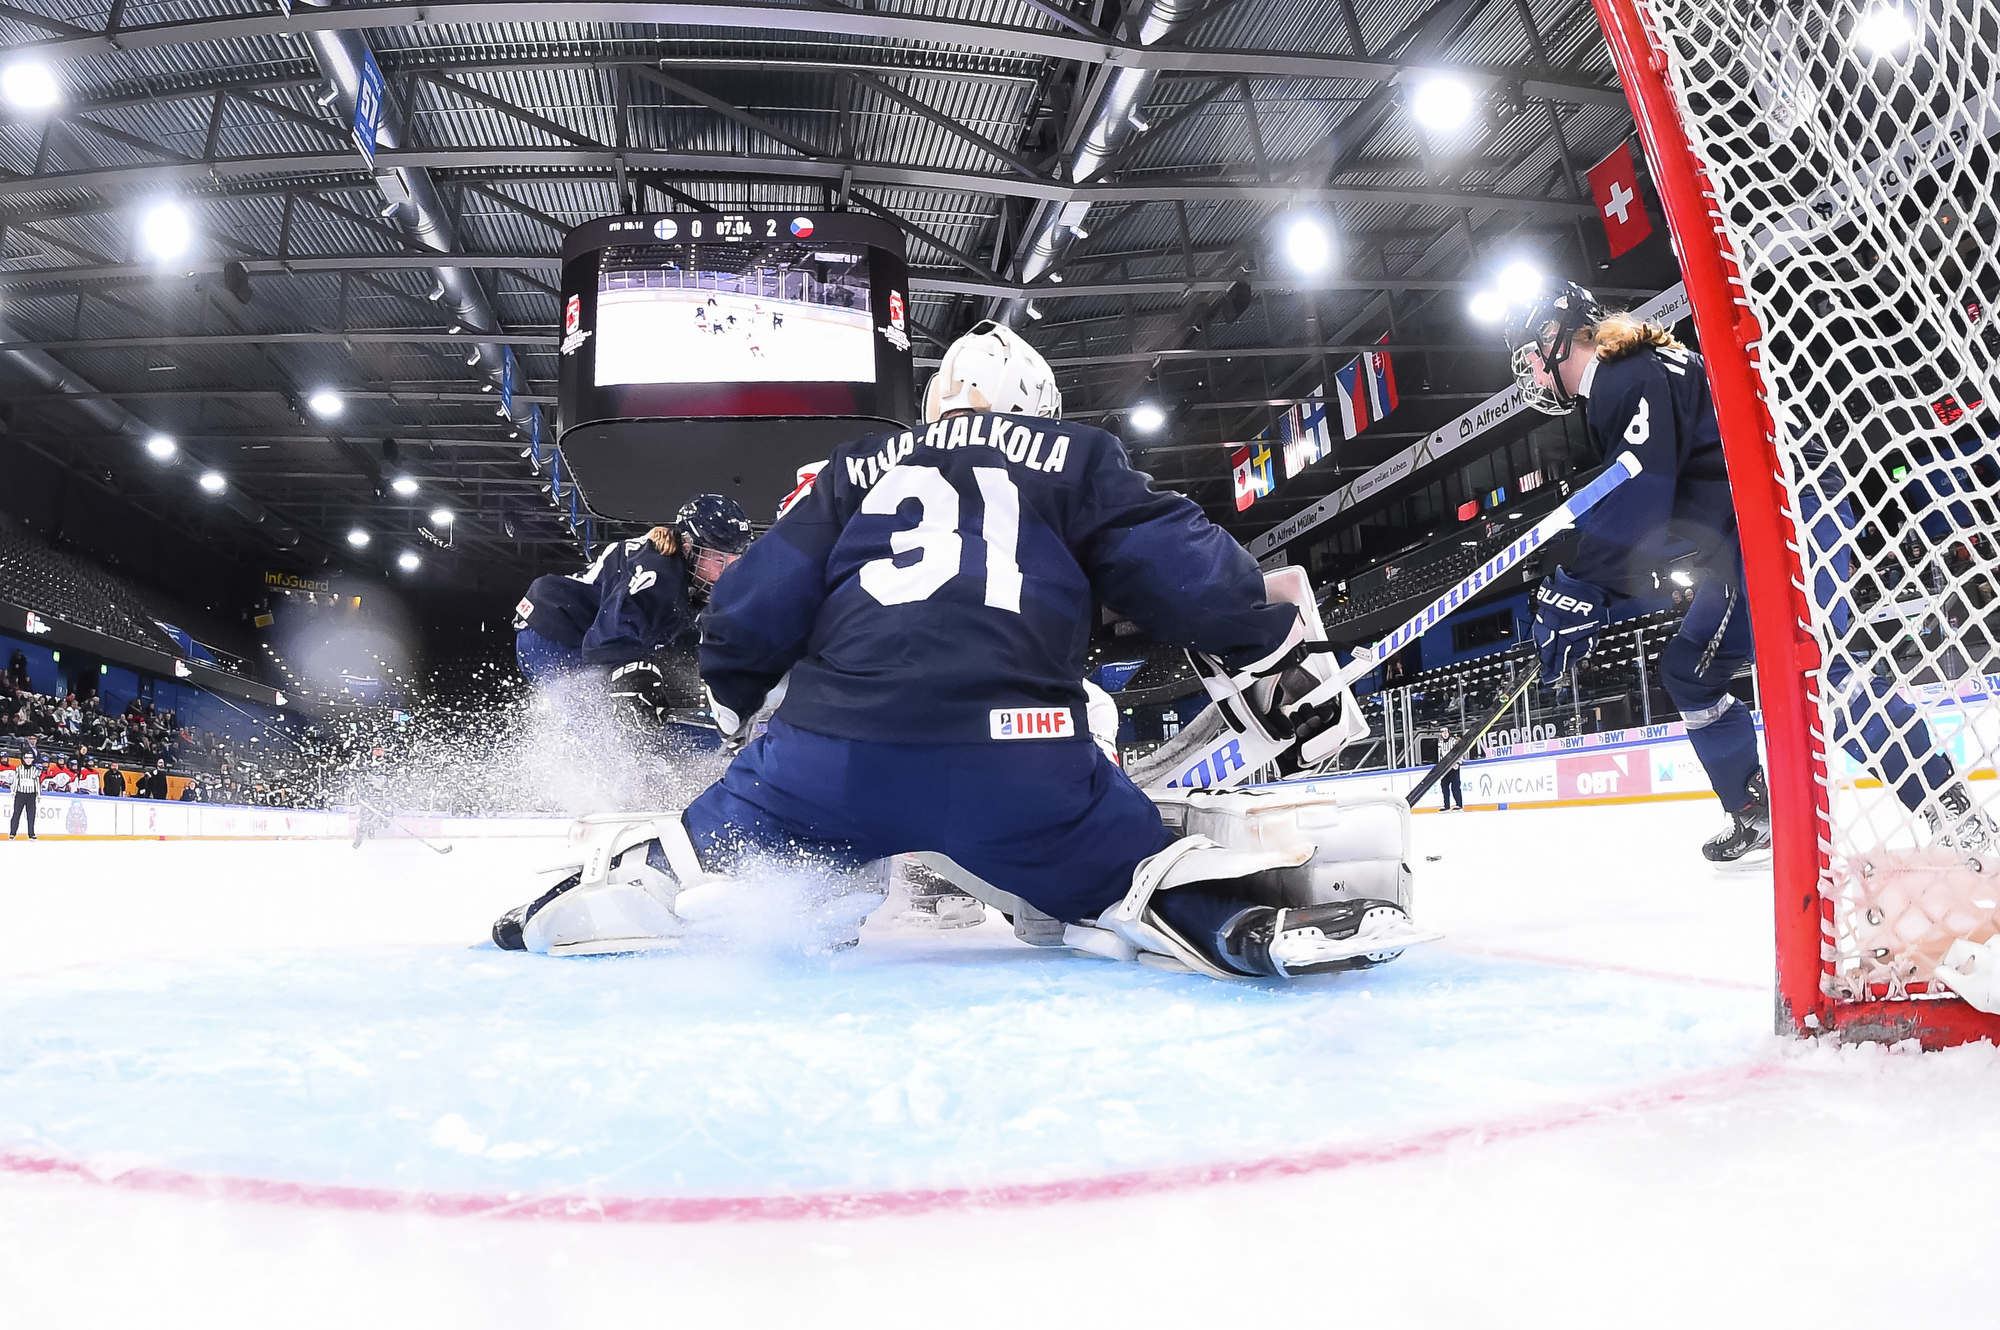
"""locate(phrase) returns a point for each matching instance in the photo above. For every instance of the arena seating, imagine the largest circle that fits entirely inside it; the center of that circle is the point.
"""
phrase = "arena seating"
(40, 577)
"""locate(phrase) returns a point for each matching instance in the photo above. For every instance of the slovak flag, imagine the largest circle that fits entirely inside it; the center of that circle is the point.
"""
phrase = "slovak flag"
(1381, 382)
(1239, 466)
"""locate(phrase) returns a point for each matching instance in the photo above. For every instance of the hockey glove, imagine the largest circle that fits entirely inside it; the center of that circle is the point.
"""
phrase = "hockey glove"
(1569, 615)
(640, 686)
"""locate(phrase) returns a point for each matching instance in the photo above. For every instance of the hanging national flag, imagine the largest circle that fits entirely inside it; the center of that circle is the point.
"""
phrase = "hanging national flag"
(1301, 445)
(1468, 510)
(1614, 183)
(1381, 381)
(1495, 498)
(1263, 468)
(1313, 421)
(1353, 398)
(1533, 480)
(1239, 466)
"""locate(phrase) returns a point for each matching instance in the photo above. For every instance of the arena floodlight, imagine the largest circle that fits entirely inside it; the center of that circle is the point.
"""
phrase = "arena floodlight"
(441, 517)
(166, 230)
(213, 482)
(1443, 103)
(1308, 244)
(437, 289)
(1147, 418)
(1487, 306)
(325, 403)
(1034, 310)
(473, 358)
(1681, 577)
(1520, 282)
(1883, 31)
(30, 85)
(161, 447)
(408, 561)
(358, 538)
(404, 485)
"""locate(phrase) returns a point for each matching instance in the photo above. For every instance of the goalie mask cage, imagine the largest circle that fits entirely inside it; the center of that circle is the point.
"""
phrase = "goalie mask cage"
(1827, 171)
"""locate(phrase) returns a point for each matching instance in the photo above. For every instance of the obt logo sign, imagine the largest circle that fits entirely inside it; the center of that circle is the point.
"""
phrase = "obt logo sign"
(1604, 775)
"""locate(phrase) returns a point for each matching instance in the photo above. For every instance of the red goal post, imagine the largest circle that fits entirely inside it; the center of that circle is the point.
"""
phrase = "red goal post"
(1704, 122)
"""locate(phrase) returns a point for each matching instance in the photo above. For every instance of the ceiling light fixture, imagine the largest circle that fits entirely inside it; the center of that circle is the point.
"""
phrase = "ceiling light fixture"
(404, 485)
(358, 538)
(161, 447)
(30, 85)
(1442, 103)
(166, 230)
(325, 403)
(213, 482)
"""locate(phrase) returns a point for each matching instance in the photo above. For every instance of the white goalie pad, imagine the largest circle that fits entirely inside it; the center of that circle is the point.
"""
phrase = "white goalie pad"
(1282, 848)
(622, 902)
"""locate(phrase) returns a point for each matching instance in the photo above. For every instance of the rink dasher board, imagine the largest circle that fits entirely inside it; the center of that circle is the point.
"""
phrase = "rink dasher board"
(1550, 775)
(102, 817)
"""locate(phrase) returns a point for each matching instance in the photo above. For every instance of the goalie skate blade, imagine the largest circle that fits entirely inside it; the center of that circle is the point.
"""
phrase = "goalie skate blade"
(613, 946)
(1382, 936)
(1757, 861)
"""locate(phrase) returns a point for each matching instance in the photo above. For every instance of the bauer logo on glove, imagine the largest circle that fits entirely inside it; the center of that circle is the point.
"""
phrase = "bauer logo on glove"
(1569, 615)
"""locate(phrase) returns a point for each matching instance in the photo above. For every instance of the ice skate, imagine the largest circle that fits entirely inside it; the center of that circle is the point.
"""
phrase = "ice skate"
(1962, 825)
(935, 903)
(1746, 842)
(1321, 939)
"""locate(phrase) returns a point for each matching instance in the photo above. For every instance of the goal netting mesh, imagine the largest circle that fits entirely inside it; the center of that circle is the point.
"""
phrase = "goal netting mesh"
(1848, 149)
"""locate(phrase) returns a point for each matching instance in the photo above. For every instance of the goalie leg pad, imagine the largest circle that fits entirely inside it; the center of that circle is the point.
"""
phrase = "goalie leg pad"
(628, 874)
(1972, 970)
(1271, 882)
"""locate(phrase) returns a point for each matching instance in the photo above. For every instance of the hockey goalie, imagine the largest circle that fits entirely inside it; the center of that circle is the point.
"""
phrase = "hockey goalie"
(920, 615)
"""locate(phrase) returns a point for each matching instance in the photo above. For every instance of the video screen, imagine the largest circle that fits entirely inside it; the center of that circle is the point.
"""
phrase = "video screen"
(694, 312)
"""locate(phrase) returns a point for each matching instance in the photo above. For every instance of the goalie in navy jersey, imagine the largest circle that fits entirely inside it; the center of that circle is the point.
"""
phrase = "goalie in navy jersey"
(920, 616)
(1643, 391)
(612, 618)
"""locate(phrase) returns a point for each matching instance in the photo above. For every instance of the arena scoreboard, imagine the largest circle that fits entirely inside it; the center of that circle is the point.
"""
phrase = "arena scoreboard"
(722, 351)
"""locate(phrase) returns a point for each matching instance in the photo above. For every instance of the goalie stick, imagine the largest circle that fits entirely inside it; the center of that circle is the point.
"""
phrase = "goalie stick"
(1466, 741)
(1211, 753)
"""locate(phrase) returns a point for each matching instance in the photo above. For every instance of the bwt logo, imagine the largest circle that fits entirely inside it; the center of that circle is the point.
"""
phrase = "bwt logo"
(1211, 769)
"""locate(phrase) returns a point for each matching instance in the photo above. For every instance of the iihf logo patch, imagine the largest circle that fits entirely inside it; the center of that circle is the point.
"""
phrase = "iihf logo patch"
(802, 227)
(1031, 723)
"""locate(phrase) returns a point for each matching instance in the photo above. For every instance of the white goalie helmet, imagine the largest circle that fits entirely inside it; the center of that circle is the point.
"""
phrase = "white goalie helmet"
(992, 369)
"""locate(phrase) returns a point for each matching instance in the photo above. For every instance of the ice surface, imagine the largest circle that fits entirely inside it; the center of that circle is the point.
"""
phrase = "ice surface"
(273, 1082)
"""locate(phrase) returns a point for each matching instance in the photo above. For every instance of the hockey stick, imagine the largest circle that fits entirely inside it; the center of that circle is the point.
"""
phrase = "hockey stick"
(383, 813)
(1211, 753)
(1557, 520)
(1470, 738)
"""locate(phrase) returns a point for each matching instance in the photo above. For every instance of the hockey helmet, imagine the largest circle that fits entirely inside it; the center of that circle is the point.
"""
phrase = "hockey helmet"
(1542, 332)
(992, 369)
(713, 531)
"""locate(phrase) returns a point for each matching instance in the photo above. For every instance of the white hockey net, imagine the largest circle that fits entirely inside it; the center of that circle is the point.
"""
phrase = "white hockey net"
(1850, 148)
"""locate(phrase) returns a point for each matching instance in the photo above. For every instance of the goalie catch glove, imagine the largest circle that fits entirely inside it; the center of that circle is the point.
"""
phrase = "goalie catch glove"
(1296, 693)
(640, 686)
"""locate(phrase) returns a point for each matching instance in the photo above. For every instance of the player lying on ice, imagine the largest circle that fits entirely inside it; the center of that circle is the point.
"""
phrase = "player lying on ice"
(1645, 392)
(924, 610)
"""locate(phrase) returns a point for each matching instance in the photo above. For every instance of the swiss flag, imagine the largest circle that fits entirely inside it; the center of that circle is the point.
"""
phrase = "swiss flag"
(1614, 183)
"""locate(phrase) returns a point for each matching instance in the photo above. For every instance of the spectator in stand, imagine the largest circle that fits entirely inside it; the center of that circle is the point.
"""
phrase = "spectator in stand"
(69, 718)
(17, 672)
(153, 785)
(27, 785)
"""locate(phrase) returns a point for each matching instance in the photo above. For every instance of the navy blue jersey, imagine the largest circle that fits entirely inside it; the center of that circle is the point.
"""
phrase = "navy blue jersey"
(631, 602)
(1655, 403)
(937, 586)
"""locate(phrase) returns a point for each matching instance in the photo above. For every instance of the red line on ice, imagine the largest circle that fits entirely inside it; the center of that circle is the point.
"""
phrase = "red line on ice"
(1574, 963)
(1720, 1083)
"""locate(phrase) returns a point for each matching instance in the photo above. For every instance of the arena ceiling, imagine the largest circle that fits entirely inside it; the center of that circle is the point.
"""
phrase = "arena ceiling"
(1123, 172)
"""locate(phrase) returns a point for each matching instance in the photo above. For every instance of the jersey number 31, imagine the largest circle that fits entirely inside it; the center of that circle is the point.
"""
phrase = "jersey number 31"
(936, 537)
